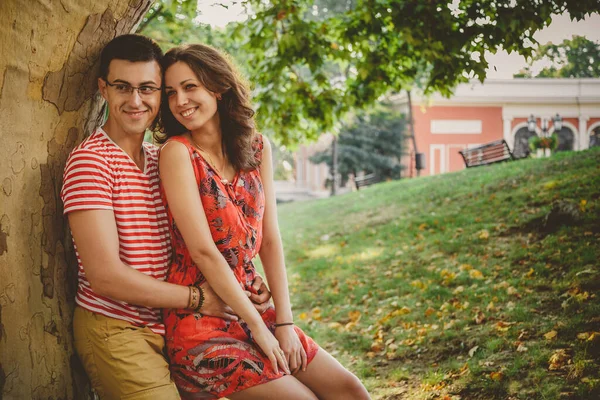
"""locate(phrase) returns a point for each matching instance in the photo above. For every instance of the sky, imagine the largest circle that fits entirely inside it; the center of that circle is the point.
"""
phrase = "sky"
(502, 64)
(560, 29)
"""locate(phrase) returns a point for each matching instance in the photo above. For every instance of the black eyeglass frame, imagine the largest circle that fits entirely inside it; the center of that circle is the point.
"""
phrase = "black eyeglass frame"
(131, 88)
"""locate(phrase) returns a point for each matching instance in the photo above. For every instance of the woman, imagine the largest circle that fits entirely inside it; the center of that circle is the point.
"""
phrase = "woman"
(213, 149)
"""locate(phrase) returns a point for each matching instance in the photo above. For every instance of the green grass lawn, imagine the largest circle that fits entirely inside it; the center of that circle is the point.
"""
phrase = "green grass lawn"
(450, 287)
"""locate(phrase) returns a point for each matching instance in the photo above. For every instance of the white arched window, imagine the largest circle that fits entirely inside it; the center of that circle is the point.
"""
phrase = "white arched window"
(594, 133)
(566, 137)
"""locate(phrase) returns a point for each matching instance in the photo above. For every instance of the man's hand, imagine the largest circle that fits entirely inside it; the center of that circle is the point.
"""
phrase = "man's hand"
(214, 306)
(261, 296)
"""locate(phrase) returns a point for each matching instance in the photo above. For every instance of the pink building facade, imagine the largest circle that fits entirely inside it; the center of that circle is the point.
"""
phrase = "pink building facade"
(481, 113)
(499, 109)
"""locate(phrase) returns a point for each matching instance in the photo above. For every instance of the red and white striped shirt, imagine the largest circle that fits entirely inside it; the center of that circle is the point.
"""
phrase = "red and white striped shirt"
(99, 175)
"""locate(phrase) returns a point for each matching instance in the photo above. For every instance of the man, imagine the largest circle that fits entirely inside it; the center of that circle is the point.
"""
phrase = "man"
(121, 235)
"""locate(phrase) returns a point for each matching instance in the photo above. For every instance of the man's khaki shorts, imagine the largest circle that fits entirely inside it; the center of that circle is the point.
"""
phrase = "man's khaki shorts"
(122, 361)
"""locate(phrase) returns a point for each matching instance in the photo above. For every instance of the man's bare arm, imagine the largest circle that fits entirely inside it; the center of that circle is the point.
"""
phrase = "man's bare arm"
(97, 241)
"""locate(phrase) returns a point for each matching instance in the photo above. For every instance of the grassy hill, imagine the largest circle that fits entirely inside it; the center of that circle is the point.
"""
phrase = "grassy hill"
(458, 286)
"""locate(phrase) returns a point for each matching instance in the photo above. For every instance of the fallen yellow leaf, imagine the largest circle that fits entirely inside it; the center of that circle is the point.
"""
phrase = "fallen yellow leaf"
(401, 311)
(335, 325)
(349, 326)
(550, 185)
(558, 360)
(551, 335)
(530, 273)
(484, 235)
(511, 291)
(376, 347)
(475, 274)
(496, 376)
(521, 348)
(503, 326)
(583, 336)
(479, 318)
(316, 314)
(595, 336)
(466, 267)
(354, 316)
(418, 284)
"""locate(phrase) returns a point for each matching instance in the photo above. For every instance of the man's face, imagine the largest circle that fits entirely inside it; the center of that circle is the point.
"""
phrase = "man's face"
(131, 112)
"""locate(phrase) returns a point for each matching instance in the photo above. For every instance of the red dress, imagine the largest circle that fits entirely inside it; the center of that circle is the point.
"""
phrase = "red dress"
(209, 356)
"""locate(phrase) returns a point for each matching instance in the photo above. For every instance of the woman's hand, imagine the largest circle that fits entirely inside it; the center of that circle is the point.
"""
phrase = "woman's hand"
(291, 346)
(259, 294)
(270, 346)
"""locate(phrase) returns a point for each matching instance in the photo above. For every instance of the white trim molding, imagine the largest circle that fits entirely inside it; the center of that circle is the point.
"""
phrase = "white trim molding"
(583, 141)
(432, 149)
(589, 133)
(510, 139)
(513, 133)
(547, 91)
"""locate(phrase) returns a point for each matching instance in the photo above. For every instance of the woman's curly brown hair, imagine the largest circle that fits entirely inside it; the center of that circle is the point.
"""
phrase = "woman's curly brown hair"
(218, 75)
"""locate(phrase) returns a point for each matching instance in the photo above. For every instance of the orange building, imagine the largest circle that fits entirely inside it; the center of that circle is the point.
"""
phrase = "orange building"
(481, 113)
(499, 109)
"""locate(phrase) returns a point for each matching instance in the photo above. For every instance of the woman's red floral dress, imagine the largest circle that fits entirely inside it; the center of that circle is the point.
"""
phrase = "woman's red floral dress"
(209, 356)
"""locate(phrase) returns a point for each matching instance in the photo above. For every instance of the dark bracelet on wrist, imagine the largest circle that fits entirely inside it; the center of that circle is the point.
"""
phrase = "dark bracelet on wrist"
(283, 324)
(201, 300)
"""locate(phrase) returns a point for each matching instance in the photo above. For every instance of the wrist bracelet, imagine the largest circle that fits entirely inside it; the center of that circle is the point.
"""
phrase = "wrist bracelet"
(200, 293)
(194, 298)
(283, 324)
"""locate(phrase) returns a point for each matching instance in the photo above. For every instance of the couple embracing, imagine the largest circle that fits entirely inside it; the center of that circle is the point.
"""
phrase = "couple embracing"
(176, 229)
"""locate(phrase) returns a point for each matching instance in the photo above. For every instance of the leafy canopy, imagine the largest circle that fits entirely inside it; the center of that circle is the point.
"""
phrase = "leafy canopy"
(313, 61)
(578, 57)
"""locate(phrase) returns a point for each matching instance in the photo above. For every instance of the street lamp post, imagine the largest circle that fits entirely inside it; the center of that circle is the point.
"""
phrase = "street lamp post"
(544, 139)
(532, 123)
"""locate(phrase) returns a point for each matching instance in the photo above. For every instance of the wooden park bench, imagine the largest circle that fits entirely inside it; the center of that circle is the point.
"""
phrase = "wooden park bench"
(486, 154)
(366, 180)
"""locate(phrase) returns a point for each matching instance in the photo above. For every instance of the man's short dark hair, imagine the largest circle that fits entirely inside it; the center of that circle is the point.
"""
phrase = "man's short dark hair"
(129, 47)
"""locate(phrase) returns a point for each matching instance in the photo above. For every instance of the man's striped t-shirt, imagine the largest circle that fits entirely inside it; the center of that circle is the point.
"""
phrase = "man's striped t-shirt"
(99, 175)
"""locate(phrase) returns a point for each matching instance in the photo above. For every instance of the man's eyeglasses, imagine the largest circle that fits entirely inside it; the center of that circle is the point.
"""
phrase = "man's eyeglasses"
(127, 89)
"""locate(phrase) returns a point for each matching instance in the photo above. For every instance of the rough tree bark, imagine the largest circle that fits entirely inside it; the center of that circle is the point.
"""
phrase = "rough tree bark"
(48, 60)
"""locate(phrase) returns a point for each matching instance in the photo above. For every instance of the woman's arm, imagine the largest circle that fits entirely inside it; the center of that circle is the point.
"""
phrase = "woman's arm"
(271, 256)
(179, 182)
(271, 250)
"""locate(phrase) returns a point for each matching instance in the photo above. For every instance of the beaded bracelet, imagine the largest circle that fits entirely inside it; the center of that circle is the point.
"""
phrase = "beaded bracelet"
(201, 300)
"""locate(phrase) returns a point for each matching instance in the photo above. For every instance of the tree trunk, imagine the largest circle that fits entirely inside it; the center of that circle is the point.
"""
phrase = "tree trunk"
(49, 54)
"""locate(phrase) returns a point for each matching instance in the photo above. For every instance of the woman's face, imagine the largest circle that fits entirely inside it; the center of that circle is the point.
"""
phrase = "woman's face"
(190, 102)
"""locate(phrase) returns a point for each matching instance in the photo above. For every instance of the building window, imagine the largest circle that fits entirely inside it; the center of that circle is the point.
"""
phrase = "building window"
(566, 139)
(521, 148)
(595, 137)
(455, 127)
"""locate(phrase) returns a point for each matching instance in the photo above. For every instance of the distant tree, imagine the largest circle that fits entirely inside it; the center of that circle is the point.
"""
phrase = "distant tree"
(578, 57)
(373, 143)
